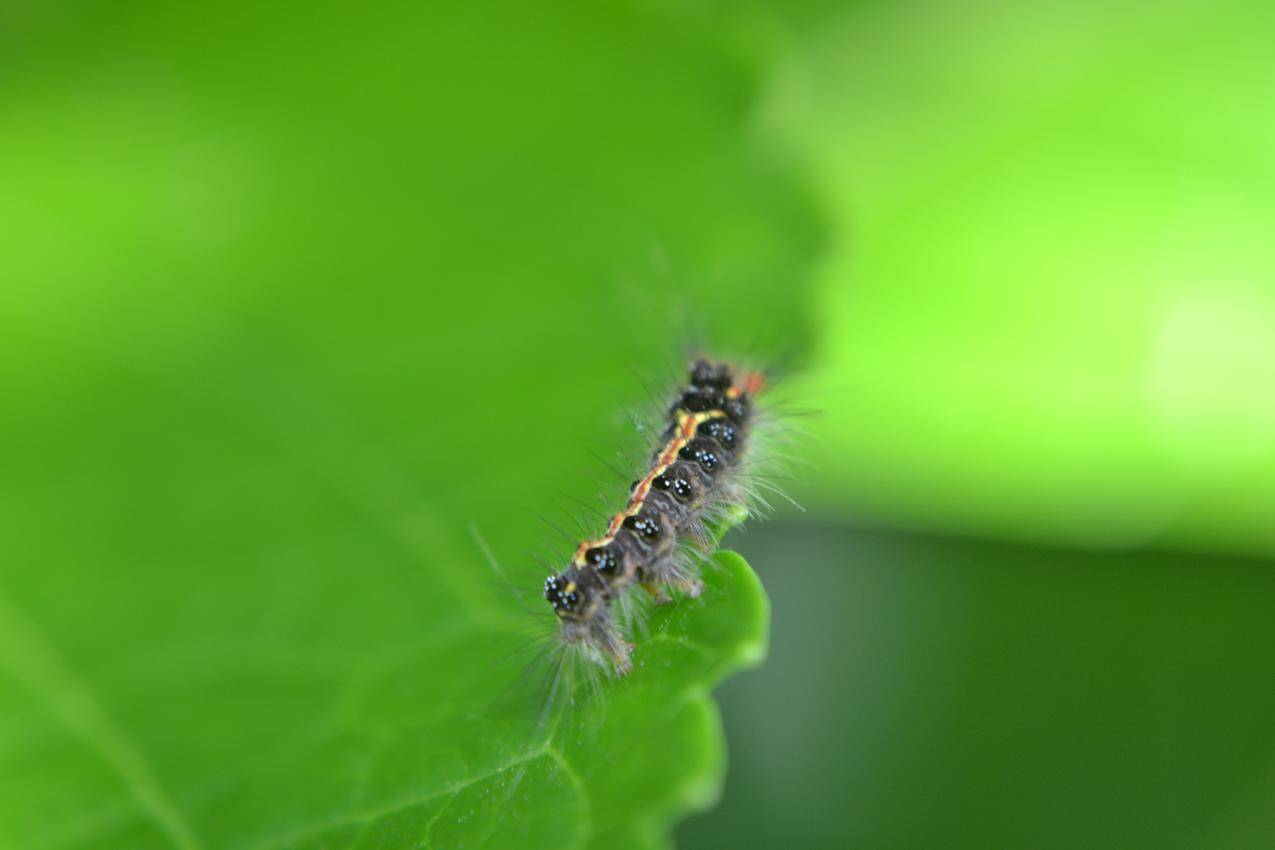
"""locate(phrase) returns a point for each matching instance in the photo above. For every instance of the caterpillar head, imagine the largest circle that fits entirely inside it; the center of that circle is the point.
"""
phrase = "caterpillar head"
(709, 383)
(706, 375)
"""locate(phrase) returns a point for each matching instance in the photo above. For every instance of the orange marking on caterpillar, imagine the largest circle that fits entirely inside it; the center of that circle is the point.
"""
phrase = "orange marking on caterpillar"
(687, 423)
(689, 479)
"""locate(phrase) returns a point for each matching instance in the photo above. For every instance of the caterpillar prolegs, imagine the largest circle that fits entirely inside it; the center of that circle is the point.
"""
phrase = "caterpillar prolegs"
(693, 478)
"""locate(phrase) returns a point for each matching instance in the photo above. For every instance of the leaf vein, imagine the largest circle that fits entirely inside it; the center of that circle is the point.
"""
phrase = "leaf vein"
(36, 661)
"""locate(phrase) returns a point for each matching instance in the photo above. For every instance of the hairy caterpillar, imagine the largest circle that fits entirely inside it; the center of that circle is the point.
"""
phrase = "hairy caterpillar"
(692, 477)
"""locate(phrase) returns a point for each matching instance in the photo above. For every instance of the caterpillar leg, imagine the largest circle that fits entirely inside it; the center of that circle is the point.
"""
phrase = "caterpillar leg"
(692, 586)
(623, 663)
(656, 592)
(600, 638)
(680, 570)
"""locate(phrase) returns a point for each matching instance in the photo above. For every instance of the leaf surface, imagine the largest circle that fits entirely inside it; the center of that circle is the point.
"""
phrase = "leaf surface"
(293, 299)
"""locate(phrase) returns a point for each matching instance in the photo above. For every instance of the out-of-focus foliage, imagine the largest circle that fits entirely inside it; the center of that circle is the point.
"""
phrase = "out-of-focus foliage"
(948, 693)
(1049, 295)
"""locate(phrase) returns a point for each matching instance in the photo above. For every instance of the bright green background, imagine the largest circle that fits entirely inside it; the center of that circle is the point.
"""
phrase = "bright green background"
(290, 298)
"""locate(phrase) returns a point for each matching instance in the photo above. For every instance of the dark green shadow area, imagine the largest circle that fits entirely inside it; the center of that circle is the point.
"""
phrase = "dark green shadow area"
(925, 692)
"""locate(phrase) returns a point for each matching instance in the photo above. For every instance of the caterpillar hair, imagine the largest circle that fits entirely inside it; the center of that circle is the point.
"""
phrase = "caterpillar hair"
(693, 479)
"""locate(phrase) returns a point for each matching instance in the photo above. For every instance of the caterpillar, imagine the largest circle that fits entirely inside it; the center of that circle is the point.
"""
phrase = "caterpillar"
(691, 478)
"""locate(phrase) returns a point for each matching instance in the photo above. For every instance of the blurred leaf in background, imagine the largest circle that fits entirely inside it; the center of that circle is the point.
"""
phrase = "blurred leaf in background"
(292, 295)
(930, 692)
(1049, 294)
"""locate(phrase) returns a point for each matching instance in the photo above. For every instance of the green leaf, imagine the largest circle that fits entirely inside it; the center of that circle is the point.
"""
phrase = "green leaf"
(613, 770)
(291, 301)
(430, 747)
